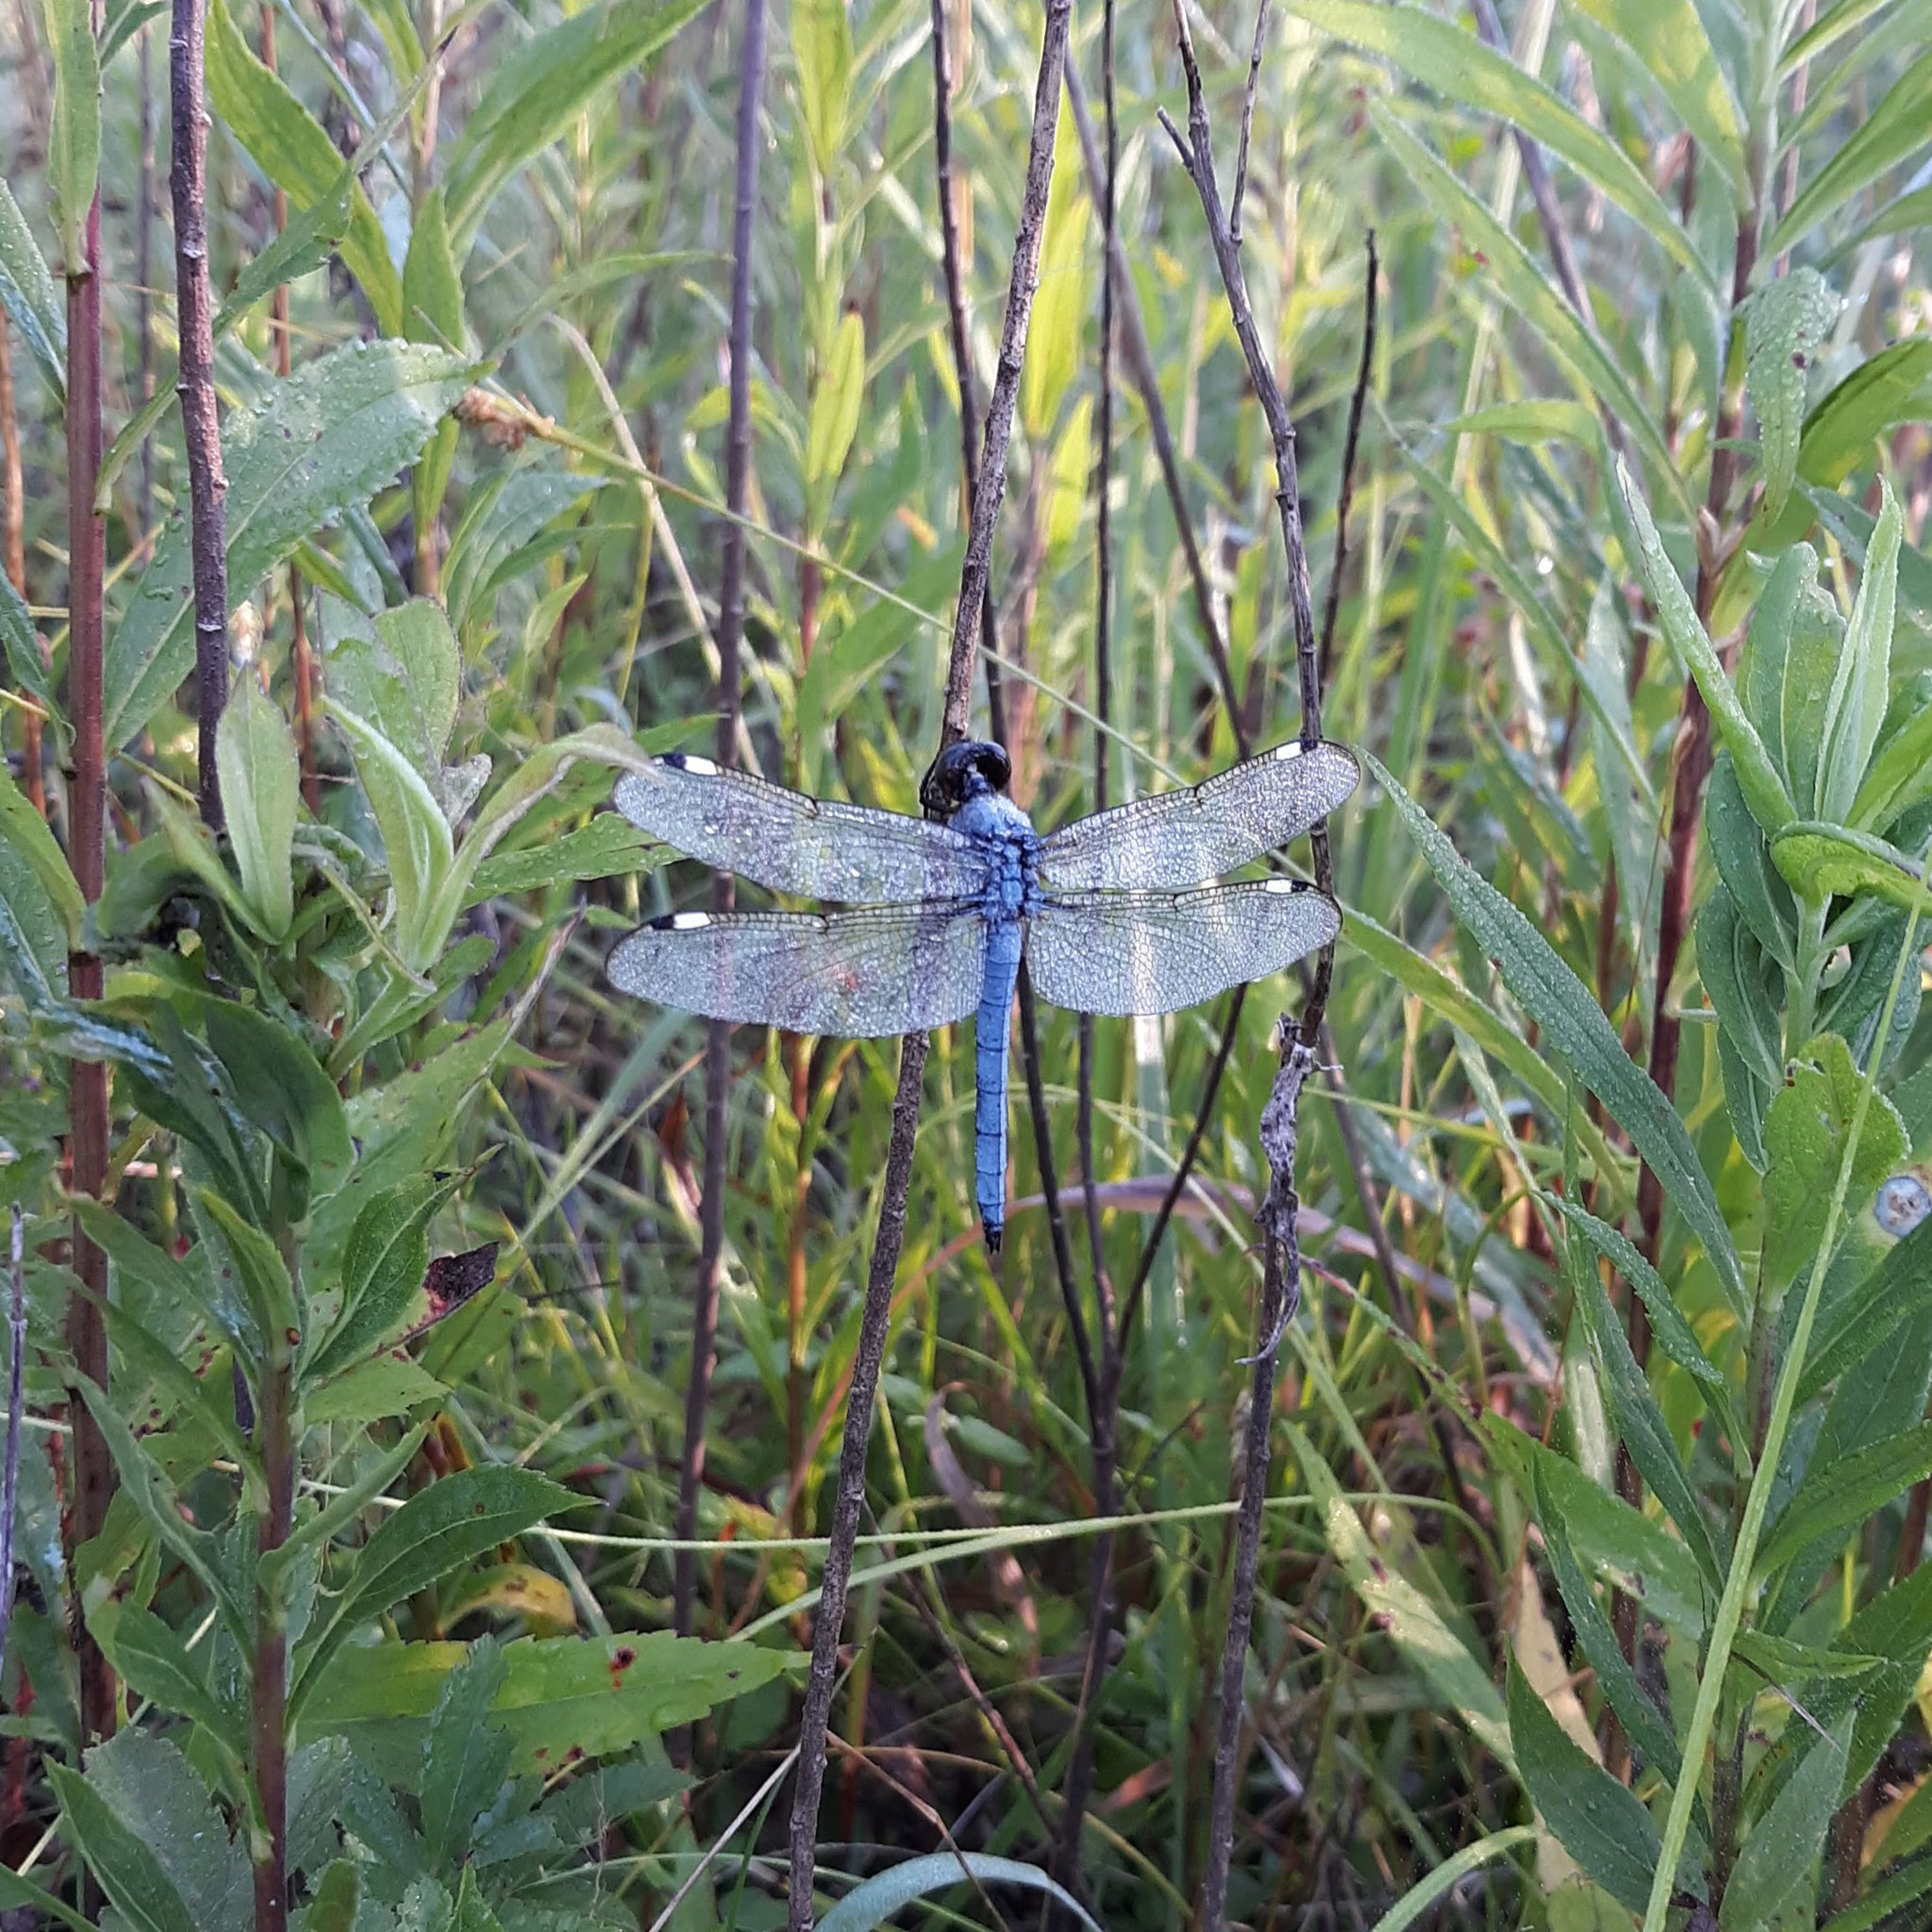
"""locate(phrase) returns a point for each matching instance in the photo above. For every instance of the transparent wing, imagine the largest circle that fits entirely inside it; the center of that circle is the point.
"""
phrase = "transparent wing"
(794, 843)
(864, 974)
(1158, 952)
(1177, 838)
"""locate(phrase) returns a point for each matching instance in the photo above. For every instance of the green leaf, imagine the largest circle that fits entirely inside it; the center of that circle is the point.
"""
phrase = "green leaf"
(1790, 657)
(1856, 711)
(821, 55)
(21, 644)
(609, 847)
(372, 1392)
(1899, 778)
(1513, 275)
(1822, 860)
(23, 1893)
(1061, 306)
(124, 22)
(27, 294)
(1667, 37)
(835, 401)
(73, 146)
(1398, 1607)
(540, 88)
(1896, 128)
(1764, 789)
(1849, 1329)
(415, 836)
(1844, 1491)
(327, 440)
(1805, 1134)
(255, 755)
(383, 1266)
(1574, 1026)
(1454, 62)
(1599, 1821)
(1780, 1847)
(35, 878)
(467, 1756)
(438, 1530)
(128, 1870)
(873, 1903)
(280, 1087)
(1733, 967)
(309, 240)
(1639, 1716)
(258, 1270)
(157, 1664)
(294, 151)
(1892, 387)
(402, 675)
(1786, 322)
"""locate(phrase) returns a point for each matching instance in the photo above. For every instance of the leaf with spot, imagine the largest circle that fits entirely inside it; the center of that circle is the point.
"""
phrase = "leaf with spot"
(1786, 322)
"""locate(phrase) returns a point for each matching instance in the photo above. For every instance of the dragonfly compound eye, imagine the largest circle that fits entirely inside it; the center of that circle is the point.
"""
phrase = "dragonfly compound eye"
(961, 772)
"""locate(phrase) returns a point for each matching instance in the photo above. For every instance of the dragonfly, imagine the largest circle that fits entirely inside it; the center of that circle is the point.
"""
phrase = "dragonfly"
(1111, 913)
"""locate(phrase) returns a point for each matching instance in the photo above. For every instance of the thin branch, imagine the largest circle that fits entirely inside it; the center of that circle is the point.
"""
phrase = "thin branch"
(704, 1338)
(849, 1496)
(1344, 501)
(955, 271)
(1240, 160)
(195, 382)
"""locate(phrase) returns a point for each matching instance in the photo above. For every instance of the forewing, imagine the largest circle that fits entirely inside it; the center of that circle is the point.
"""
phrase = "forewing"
(1158, 952)
(793, 843)
(867, 973)
(1174, 838)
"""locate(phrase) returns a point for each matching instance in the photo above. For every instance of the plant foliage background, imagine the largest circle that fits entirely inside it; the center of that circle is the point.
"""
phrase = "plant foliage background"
(1592, 1584)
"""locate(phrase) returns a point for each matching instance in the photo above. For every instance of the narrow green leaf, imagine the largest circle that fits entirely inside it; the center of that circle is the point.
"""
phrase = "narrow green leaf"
(1454, 62)
(280, 1087)
(1599, 1821)
(540, 88)
(24, 1894)
(1786, 322)
(1895, 130)
(1764, 789)
(1412, 1621)
(1888, 388)
(1849, 1329)
(311, 237)
(835, 400)
(259, 1270)
(1732, 966)
(1061, 307)
(24, 833)
(1856, 711)
(1522, 285)
(1899, 778)
(73, 146)
(1846, 1491)
(382, 1269)
(1790, 657)
(1667, 37)
(328, 439)
(1780, 1848)
(821, 55)
(157, 1664)
(438, 1530)
(872, 1904)
(28, 295)
(609, 847)
(1574, 1026)
(294, 151)
(1744, 864)
(372, 1391)
(255, 755)
(129, 1872)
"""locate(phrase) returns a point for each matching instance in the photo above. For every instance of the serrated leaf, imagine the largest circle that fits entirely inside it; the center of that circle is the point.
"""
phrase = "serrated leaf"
(1455, 64)
(1764, 789)
(157, 1664)
(540, 90)
(1574, 1026)
(382, 1270)
(294, 151)
(128, 1870)
(1786, 322)
(255, 755)
(327, 440)
(372, 1391)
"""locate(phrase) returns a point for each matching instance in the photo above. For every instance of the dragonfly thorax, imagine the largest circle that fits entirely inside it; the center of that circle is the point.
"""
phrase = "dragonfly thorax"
(1006, 834)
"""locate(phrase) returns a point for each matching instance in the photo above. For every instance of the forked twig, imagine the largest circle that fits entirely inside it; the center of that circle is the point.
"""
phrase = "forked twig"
(849, 1495)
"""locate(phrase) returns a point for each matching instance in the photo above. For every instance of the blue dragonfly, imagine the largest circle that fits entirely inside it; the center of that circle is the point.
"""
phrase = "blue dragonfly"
(1111, 911)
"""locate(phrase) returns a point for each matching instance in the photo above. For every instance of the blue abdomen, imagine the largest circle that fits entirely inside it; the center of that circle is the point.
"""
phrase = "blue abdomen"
(990, 1069)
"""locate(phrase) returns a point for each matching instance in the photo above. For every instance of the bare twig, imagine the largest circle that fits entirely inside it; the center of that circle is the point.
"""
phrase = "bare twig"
(849, 1496)
(194, 381)
(1344, 501)
(955, 271)
(1241, 160)
(16, 1399)
(751, 87)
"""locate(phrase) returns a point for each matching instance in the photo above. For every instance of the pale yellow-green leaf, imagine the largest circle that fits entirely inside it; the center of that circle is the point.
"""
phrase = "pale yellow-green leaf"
(834, 420)
(255, 757)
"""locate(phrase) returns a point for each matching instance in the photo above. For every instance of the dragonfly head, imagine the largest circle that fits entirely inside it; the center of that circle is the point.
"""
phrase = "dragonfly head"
(968, 770)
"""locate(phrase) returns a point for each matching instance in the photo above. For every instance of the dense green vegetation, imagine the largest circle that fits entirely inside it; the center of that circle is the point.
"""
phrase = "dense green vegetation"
(355, 1299)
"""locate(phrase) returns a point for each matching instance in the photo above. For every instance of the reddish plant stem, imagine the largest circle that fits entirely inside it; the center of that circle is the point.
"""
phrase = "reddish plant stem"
(86, 1101)
(704, 1338)
(208, 486)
